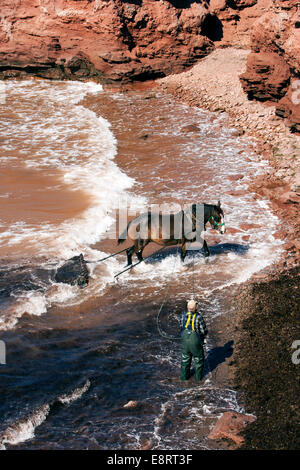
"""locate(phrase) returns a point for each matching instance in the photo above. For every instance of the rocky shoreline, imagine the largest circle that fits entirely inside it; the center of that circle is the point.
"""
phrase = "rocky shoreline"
(214, 84)
(266, 317)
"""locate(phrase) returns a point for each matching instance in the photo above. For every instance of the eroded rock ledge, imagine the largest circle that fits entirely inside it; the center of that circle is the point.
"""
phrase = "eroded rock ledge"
(125, 40)
(117, 40)
(273, 67)
(111, 40)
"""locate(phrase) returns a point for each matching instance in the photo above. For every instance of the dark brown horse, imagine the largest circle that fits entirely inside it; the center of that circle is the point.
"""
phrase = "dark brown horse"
(172, 229)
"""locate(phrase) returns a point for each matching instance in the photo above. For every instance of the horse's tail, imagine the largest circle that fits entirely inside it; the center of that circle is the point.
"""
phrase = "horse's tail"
(123, 235)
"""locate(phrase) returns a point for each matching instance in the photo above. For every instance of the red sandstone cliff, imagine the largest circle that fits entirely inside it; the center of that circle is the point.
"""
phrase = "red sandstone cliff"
(142, 39)
(117, 39)
(273, 66)
(114, 40)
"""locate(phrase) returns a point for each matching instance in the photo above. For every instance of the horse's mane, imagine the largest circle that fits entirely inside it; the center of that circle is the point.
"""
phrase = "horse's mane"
(209, 206)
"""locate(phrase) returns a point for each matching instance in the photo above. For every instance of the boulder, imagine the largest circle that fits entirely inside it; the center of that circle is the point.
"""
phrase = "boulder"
(235, 177)
(131, 404)
(190, 128)
(230, 425)
(273, 66)
(289, 197)
(232, 230)
(146, 444)
(289, 106)
(267, 76)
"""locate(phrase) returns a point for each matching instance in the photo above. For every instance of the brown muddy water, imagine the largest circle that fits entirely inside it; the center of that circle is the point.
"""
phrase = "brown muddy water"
(71, 153)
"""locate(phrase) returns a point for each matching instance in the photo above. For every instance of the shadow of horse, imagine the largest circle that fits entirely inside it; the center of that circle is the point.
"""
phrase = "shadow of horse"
(215, 250)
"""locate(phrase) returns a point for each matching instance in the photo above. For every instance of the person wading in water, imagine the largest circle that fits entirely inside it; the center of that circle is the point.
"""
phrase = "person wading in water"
(193, 334)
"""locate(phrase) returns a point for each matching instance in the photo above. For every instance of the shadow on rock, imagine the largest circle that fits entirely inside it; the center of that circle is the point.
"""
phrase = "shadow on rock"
(217, 356)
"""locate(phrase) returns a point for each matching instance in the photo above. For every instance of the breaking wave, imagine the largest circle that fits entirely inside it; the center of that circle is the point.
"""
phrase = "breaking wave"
(24, 429)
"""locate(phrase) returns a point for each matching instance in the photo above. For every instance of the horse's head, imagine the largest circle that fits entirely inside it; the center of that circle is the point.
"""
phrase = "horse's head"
(217, 220)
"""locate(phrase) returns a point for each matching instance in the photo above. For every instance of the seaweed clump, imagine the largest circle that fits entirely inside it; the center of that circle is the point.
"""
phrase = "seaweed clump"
(265, 374)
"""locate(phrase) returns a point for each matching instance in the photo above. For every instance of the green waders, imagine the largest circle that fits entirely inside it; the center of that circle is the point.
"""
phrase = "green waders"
(191, 347)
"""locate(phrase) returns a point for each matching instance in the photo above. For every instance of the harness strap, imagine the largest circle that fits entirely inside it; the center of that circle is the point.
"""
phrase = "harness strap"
(215, 223)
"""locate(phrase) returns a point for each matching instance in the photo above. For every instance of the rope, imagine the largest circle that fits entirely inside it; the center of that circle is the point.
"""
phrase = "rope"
(207, 362)
(106, 257)
(139, 262)
(177, 338)
(160, 331)
(193, 277)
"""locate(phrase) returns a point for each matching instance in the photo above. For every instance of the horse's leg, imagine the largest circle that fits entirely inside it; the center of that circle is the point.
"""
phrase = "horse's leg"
(139, 250)
(129, 253)
(139, 246)
(183, 251)
(206, 250)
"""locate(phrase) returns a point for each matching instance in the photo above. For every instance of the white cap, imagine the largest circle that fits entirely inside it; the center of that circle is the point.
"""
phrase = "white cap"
(191, 305)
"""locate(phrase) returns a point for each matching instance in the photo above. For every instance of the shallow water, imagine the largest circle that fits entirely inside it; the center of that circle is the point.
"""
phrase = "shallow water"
(69, 153)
